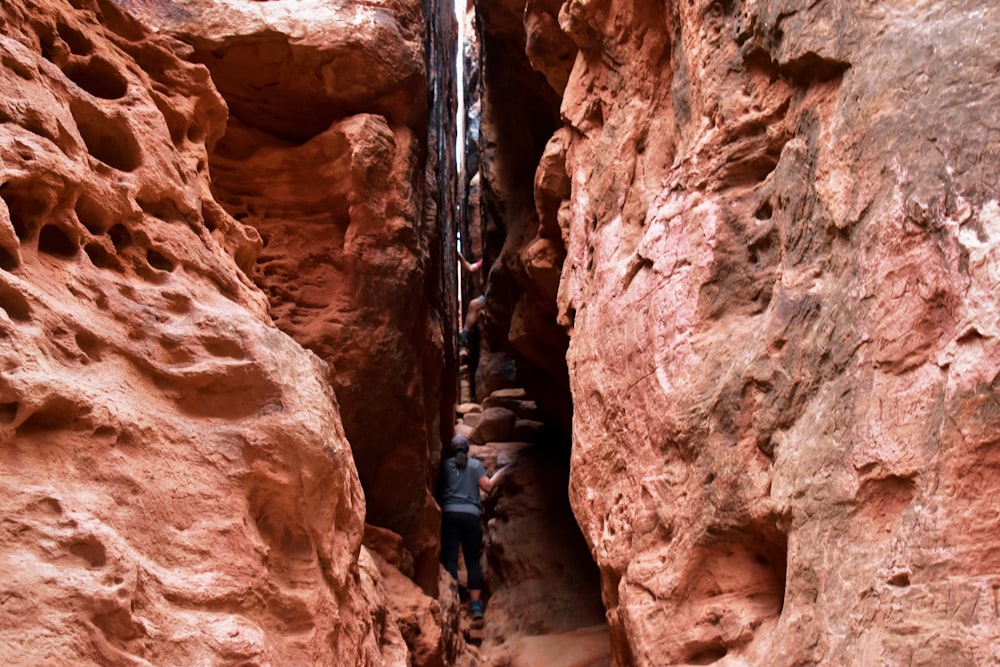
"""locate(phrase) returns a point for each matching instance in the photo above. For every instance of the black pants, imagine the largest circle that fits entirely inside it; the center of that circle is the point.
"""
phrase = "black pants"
(465, 529)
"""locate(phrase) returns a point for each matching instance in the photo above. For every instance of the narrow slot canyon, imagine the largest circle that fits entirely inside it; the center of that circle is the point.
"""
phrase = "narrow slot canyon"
(733, 337)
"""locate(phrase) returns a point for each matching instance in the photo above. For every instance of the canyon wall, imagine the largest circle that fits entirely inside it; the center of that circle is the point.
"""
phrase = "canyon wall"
(523, 247)
(328, 154)
(781, 236)
(178, 487)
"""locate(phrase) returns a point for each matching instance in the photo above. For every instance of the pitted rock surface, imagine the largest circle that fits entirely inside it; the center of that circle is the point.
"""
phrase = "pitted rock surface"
(779, 285)
(177, 487)
(324, 155)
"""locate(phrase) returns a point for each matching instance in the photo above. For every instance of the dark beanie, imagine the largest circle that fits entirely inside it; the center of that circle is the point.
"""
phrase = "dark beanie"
(460, 443)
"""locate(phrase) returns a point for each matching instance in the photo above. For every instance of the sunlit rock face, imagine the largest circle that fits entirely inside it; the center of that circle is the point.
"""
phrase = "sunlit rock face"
(783, 245)
(177, 487)
(325, 154)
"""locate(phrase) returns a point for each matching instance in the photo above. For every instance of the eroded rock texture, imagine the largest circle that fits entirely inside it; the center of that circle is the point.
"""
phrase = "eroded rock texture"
(520, 111)
(177, 487)
(545, 606)
(781, 230)
(324, 155)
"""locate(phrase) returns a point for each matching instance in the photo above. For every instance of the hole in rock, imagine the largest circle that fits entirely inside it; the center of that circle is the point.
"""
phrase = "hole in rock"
(126, 439)
(212, 218)
(164, 209)
(177, 303)
(278, 525)
(8, 411)
(47, 43)
(89, 344)
(223, 347)
(159, 261)
(901, 580)
(810, 68)
(92, 214)
(77, 42)
(109, 140)
(101, 258)
(146, 272)
(766, 447)
(763, 250)
(177, 353)
(225, 391)
(753, 168)
(91, 550)
(120, 236)
(49, 505)
(738, 571)
(53, 240)
(882, 501)
(98, 77)
(59, 413)
(196, 133)
(8, 259)
(26, 208)
(14, 303)
(764, 211)
(117, 625)
(970, 337)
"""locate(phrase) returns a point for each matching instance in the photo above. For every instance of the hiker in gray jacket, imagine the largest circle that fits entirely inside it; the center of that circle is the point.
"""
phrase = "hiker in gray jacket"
(461, 479)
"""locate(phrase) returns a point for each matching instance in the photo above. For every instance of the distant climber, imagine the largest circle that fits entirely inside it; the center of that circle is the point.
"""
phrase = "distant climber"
(475, 272)
(470, 338)
(474, 267)
(461, 479)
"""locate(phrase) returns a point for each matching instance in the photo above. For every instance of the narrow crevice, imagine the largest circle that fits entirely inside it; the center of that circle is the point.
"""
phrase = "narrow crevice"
(541, 578)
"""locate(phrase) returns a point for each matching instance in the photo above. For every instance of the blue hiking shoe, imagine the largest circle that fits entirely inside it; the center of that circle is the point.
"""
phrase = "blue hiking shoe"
(476, 607)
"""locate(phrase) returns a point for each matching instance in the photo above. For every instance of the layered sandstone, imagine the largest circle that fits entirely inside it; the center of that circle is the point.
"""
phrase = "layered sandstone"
(780, 284)
(177, 487)
(326, 155)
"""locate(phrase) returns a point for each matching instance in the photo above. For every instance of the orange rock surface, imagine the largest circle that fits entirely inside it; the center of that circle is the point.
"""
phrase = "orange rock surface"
(781, 240)
(176, 485)
(747, 257)
(324, 155)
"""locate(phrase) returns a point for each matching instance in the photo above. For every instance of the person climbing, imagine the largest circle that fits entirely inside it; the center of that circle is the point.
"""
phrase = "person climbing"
(474, 271)
(469, 337)
(461, 479)
(474, 267)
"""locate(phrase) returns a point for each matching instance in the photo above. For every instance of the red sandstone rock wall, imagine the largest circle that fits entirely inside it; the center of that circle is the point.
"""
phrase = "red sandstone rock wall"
(176, 484)
(324, 154)
(782, 229)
